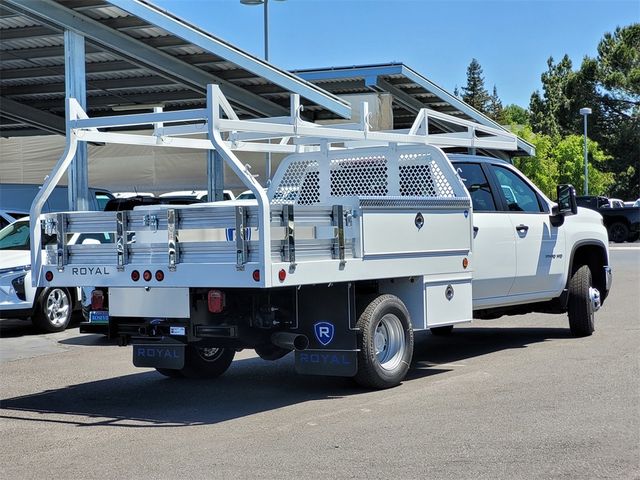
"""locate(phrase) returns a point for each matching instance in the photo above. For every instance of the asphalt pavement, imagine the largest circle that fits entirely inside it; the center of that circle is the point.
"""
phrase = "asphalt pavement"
(516, 397)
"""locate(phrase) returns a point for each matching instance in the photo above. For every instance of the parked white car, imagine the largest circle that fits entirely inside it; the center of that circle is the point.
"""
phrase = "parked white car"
(50, 309)
(10, 216)
(199, 194)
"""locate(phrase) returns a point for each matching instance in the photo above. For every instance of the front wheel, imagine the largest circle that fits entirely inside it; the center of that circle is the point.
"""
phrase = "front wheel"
(53, 310)
(584, 300)
(206, 362)
(385, 340)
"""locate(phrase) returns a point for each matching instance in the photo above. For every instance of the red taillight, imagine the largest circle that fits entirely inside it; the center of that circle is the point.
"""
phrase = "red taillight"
(256, 275)
(159, 275)
(147, 275)
(135, 275)
(216, 301)
(97, 300)
(282, 275)
(48, 276)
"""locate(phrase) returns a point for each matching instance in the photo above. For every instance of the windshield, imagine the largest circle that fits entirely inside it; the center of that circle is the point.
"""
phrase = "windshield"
(16, 236)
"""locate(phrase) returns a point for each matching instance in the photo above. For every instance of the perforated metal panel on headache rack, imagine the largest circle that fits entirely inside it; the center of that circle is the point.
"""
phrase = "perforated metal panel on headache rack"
(393, 172)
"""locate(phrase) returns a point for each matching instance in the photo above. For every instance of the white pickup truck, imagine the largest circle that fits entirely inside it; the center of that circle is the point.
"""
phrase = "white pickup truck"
(362, 238)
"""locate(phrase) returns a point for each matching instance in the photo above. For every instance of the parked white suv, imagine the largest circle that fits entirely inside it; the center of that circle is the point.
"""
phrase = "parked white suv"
(50, 309)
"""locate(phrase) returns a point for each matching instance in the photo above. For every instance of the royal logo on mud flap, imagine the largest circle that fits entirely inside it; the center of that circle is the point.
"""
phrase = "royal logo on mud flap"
(324, 332)
(158, 356)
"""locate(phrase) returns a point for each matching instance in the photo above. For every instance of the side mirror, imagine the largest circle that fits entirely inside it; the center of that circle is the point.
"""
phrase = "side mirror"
(567, 204)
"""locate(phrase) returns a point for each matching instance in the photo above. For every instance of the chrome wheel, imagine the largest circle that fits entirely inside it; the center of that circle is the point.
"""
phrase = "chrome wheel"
(57, 307)
(594, 298)
(389, 342)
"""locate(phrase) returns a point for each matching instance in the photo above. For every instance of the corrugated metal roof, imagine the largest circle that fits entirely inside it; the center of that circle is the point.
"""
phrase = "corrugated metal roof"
(32, 63)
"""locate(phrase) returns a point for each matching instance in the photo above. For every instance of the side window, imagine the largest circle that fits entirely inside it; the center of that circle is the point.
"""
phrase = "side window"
(476, 182)
(519, 195)
(102, 199)
(15, 237)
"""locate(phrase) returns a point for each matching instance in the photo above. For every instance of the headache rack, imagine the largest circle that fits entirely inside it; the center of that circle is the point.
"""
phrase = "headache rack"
(348, 203)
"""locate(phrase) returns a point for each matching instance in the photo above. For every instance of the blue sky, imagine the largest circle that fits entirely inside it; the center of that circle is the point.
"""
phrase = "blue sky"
(511, 39)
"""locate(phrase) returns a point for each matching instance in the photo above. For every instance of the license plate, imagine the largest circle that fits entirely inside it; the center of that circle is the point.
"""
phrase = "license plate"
(158, 356)
(98, 317)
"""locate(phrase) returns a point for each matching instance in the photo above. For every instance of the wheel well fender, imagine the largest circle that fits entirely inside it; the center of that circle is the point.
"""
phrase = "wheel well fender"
(592, 253)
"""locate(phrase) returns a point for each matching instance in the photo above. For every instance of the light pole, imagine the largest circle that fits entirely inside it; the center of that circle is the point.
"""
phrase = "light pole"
(266, 57)
(266, 21)
(584, 112)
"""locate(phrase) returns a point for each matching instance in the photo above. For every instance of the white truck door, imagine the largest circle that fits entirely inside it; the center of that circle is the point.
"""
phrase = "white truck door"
(494, 250)
(540, 247)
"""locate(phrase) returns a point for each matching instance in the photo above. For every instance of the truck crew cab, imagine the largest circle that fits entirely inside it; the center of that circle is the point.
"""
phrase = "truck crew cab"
(362, 238)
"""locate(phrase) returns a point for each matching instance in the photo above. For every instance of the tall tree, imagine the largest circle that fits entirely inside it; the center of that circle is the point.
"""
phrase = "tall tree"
(495, 106)
(474, 92)
(552, 105)
(608, 84)
(619, 63)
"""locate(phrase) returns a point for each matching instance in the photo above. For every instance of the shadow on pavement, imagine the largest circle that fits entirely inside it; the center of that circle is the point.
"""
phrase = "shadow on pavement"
(250, 386)
(16, 328)
(87, 339)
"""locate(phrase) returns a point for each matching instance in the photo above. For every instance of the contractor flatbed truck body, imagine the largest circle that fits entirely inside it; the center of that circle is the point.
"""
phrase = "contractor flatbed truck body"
(362, 238)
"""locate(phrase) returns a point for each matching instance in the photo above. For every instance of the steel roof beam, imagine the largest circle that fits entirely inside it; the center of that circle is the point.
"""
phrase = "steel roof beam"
(27, 32)
(162, 63)
(22, 132)
(124, 100)
(92, 85)
(400, 96)
(195, 36)
(39, 52)
(32, 116)
(56, 70)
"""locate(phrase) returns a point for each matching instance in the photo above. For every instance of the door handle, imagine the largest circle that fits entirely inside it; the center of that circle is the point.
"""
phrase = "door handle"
(475, 229)
(522, 228)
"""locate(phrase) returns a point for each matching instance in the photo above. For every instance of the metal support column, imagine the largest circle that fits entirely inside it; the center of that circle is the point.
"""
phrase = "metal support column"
(215, 176)
(75, 87)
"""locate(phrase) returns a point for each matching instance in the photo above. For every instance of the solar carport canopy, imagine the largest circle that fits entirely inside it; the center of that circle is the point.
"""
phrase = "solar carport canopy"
(137, 56)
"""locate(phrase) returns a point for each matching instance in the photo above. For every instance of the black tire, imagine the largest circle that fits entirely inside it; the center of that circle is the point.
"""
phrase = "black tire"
(618, 232)
(633, 237)
(385, 340)
(53, 310)
(442, 331)
(206, 362)
(581, 314)
(170, 372)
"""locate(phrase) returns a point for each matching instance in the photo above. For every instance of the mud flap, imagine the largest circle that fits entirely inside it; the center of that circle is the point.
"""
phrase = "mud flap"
(158, 356)
(326, 315)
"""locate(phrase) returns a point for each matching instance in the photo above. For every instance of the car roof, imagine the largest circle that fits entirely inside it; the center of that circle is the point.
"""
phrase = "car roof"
(463, 157)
